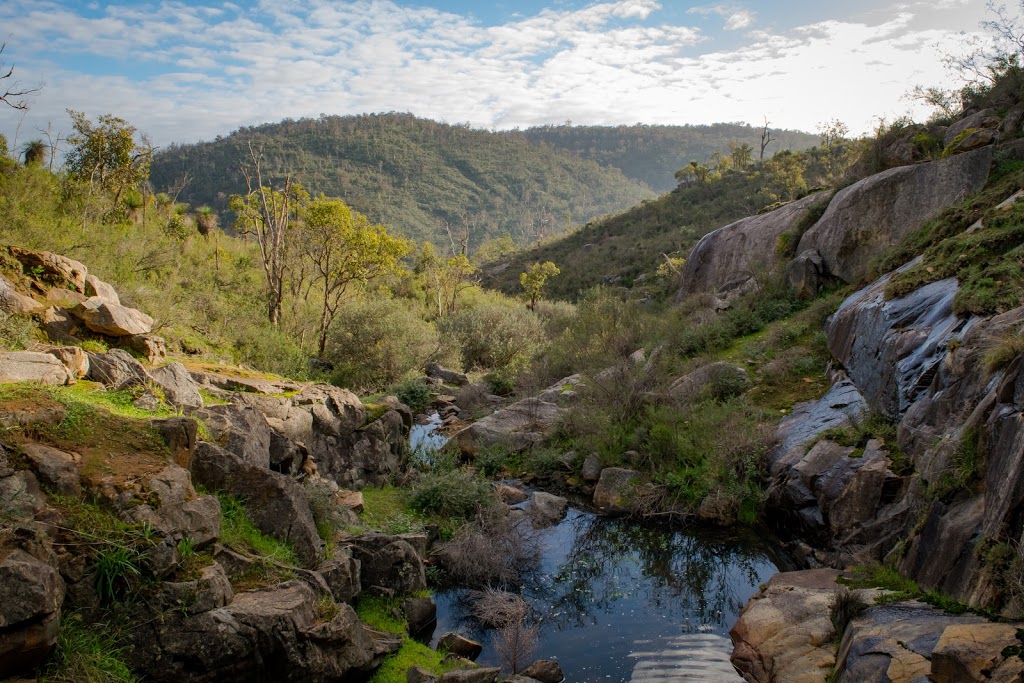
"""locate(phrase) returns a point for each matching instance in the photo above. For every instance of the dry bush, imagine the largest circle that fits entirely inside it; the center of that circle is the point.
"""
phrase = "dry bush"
(493, 550)
(515, 637)
(494, 608)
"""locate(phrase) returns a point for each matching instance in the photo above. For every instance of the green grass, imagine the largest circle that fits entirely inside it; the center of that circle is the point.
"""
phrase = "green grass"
(989, 263)
(381, 613)
(86, 653)
(874, 426)
(902, 588)
(239, 532)
(395, 667)
(386, 509)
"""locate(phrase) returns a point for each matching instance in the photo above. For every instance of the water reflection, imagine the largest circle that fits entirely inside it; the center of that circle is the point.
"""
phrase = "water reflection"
(613, 593)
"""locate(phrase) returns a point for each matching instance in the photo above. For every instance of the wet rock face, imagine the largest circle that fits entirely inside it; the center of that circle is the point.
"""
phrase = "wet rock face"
(871, 216)
(743, 249)
(893, 349)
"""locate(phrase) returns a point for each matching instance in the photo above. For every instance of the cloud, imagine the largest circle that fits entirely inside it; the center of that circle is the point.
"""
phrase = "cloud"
(183, 72)
(735, 17)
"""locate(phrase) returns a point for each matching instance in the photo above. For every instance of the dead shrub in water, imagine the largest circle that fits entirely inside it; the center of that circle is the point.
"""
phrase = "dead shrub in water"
(493, 550)
(515, 637)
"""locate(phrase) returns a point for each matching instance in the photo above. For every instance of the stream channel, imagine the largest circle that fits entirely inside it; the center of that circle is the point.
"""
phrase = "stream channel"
(625, 600)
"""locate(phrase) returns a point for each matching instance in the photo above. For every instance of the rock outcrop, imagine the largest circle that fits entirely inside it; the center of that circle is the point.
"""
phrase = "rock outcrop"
(32, 366)
(871, 216)
(741, 251)
(520, 426)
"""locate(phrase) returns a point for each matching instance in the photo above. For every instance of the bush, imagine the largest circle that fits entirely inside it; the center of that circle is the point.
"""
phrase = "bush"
(452, 493)
(846, 606)
(490, 552)
(376, 342)
(413, 393)
(494, 336)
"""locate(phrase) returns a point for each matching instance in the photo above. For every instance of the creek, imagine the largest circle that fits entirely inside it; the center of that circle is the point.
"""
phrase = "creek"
(626, 600)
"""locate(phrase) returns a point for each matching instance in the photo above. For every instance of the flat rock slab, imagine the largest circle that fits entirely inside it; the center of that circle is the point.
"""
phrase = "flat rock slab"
(31, 366)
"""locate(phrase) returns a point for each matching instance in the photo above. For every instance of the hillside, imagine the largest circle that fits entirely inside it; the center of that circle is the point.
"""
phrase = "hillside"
(652, 154)
(411, 174)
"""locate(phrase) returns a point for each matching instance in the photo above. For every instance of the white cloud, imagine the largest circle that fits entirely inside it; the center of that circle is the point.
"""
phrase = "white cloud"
(736, 18)
(208, 70)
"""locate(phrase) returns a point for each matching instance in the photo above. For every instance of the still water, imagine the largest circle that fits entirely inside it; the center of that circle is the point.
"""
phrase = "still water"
(622, 600)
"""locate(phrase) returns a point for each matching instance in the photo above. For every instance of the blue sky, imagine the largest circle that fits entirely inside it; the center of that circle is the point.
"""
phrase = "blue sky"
(184, 70)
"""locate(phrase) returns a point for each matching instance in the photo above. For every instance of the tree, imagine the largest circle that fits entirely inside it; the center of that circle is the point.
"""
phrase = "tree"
(534, 279)
(267, 215)
(344, 248)
(107, 153)
(12, 90)
(766, 138)
(742, 155)
(446, 277)
(34, 152)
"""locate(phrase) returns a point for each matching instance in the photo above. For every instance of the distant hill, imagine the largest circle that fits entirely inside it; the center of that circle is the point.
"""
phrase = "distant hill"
(652, 154)
(412, 174)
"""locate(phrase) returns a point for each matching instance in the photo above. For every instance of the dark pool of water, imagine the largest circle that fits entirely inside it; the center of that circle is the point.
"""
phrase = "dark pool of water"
(621, 600)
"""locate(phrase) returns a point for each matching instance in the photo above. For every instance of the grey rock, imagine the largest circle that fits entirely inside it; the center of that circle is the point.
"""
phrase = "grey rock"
(32, 366)
(31, 593)
(445, 375)
(976, 120)
(112, 319)
(388, 565)
(117, 369)
(342, 574)
(276, 504)
(241, 430)
(546, 509)
(741, 250)
(545, 671)
(871, 216)
(718, 380)
(975, 140)
(179, 387)
(613, 489)
(421, 615)
(520, 426)
(807, 274)
(892, 349)
(210, 591)
(175, 510)
(471, 676)
(55, 469)
(592, 466)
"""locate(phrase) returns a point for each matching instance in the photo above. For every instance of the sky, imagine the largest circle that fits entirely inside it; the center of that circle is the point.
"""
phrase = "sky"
(190, 70)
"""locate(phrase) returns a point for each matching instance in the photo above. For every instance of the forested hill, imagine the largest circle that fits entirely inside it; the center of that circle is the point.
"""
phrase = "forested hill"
(652, 154)
(414, 175)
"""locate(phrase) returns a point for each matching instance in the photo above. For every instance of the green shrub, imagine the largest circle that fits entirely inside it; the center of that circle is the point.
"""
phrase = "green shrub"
(494, 336)
(413, 393)
(17, 332)
(375, 342)
(454, 494)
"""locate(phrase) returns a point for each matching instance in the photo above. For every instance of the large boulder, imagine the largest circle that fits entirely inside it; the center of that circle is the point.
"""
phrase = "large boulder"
(784, 634)
(55, 469)
(986, 118)
(241, 430)
(521, 426)
(445, 375)
(73, 358)
(117, 369)
(614, 489)
(872, 216)
(32, 366)
(546, 509)
(275, 503)
(95, 287)
(53, 269)
(388, 565)
(111, 319)
(31, 593)
(742, 250)
(341, 572)
(179, 388)
(262, 636)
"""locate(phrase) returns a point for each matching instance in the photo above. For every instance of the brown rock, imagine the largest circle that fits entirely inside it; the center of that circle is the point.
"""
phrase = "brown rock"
(613, 489)
(510, 495)
(545, 671)
(460, 646)
(15, 303)
(73, 358)
(150, 346)
(353, 500)
(112, 319)
(966, 653)
(53, 269)
(97, 287)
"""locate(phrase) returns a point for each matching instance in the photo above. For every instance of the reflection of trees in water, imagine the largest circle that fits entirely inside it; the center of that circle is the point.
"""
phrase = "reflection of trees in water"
(693, 576)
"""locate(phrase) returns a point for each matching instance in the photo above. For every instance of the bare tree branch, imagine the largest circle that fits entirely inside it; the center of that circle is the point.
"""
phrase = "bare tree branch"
(13, 91)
